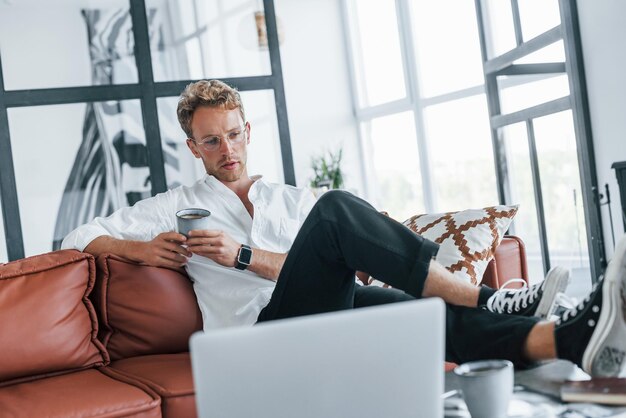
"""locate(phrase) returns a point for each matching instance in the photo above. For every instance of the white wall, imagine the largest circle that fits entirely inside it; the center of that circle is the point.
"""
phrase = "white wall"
(603, 36)
(317, 87)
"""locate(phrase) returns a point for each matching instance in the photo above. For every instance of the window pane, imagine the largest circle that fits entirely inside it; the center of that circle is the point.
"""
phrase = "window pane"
(392, 143)
(3, 245)
(49, 45)
(499, 27)
(562, 197)
(538, 16)
(379, 68)
(552, 53)
(264, 155)
(522, 92)
(91, 161)
(461, 152)
(525, 224)
(207, 39)
(447, 46)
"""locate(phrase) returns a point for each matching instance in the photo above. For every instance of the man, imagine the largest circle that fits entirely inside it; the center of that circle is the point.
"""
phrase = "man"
(304, 255)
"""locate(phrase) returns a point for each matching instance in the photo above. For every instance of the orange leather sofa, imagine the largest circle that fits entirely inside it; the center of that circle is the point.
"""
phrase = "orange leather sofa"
(109, 338)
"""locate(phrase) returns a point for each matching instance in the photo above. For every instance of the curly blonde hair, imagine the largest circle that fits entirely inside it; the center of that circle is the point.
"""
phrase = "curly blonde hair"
(211, 93)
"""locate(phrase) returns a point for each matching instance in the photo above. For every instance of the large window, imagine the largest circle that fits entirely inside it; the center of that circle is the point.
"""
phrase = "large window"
(87, 104)
(540, 124)
(481, 103)
(407, 92)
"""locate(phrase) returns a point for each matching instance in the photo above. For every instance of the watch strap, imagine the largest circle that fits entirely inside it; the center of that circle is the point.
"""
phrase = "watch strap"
(244, 257)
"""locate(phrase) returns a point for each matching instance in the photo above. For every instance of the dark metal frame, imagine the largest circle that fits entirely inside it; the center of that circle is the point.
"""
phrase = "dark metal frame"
(577, 101)
(8, 188)
(497, 63)
(147, 91)
(541, 217)
(493, 106)
(584, 137)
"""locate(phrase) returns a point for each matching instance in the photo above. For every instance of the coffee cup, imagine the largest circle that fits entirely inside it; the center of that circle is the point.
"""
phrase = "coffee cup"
(487, 387)
(190, 219)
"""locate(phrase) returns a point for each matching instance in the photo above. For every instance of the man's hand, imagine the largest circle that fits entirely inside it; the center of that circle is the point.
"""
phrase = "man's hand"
(216, 245)
(165, 250)
(363, 277)
(223, 249)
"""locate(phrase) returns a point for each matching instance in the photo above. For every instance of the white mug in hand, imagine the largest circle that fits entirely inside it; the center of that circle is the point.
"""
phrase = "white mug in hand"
(190, 219)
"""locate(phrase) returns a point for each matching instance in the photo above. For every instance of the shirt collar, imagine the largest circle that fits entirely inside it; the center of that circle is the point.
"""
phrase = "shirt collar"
(220, 187)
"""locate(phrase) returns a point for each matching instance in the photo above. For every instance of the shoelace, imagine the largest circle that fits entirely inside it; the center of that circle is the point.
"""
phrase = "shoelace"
(570, 313)
(511, 299)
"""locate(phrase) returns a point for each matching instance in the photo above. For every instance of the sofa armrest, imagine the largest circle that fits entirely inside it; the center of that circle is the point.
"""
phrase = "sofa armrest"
(508, 263)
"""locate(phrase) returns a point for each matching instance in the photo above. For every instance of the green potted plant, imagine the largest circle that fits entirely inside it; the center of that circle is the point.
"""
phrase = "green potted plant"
(327, 171)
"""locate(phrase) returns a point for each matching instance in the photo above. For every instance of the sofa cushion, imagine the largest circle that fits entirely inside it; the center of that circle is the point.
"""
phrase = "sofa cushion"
(468, 239)
(169, 375)
(87, 393)
(48, 325)
(144, 309)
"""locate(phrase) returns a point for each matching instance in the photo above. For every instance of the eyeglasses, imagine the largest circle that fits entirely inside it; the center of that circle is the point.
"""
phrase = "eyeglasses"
(213, 143)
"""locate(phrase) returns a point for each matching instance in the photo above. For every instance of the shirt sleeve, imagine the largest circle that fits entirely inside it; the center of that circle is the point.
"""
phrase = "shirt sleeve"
(140, 222)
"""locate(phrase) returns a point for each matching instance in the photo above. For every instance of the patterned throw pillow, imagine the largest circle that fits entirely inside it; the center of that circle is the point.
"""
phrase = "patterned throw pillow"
(467, 239)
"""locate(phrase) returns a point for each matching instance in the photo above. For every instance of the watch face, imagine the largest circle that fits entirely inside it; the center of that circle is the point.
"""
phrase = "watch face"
(245, 255)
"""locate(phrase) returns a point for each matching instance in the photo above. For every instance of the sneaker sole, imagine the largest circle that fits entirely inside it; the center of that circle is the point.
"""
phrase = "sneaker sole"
(554, 286)
(613, 314)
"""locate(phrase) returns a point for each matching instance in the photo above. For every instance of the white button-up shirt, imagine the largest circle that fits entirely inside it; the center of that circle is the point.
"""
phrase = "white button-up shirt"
(226, 296)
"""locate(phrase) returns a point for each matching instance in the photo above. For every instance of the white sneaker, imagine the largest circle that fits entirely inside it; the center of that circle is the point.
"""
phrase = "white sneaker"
(537, 300)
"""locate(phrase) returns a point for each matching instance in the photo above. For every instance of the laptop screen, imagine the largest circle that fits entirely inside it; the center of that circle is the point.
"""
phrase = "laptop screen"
(383, 361)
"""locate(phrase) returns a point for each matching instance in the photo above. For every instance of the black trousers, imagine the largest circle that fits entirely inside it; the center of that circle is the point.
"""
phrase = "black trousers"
(343, 234)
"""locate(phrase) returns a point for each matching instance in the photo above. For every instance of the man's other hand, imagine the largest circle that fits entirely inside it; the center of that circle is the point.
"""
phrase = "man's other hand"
(363, 277)
(214, 244)
(165, 250)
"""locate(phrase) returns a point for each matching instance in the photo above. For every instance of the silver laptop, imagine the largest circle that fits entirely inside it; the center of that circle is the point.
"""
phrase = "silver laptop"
(385, 361)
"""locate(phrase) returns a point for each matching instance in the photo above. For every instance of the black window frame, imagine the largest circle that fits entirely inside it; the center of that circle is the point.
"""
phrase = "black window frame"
(147, 91)
(577, 102)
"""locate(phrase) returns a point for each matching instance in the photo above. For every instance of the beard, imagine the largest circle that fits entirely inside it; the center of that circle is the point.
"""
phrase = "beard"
(230, 175)
(224, 175)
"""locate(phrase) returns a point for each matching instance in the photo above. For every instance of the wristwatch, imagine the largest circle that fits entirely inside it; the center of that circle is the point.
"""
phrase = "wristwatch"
(244, 257)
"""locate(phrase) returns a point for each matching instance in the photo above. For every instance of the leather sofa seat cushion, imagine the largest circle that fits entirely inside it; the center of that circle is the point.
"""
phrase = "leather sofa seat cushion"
(47, 323)
(87, 393)
(144, 310)
(169, 375)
